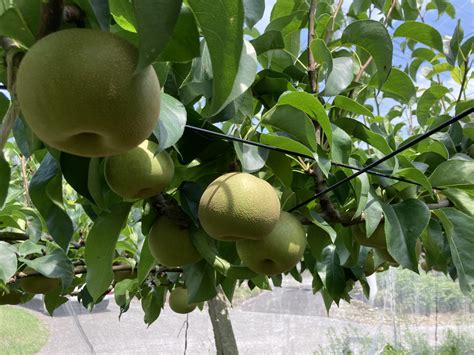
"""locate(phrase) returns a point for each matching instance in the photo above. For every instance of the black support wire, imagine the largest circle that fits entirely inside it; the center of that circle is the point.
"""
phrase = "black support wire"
(386, 157)
(289, 152)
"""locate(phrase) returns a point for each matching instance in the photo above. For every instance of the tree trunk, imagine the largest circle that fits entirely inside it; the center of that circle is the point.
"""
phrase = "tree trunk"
(221, 325)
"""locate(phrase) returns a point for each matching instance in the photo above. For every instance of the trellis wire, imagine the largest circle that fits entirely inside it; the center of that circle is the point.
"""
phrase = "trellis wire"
(386, 157)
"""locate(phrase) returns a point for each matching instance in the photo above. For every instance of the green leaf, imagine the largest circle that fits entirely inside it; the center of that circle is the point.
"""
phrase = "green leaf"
(362, 188)
(374, 38)
(454, 173)
(153, 303)
(351, 105)
(172, 121)
(340, 77)
(311, 106)
(398, 85)
(154, 31)
(146, 262)
(253, 10)
(124, 14)
(102, 13)
(183, 45)
(416, 176)
(285, 143)
(55, 265)
(14, 26)
(200, 279)
(420, 32)
(75, 170)
(281, 167)
(463, 200)
(322, 56)
(268, 41)
(358, 130)
(100, 248)
(8, 261)
(373, 213)
(245, 75)
(460, 235)
(341, 145)
(252, 158)
(404, 223)
(53, 300)
(223, 30)
(331, 272)
(294, 122)
(430, 97)
(4, 179)
(46, 194)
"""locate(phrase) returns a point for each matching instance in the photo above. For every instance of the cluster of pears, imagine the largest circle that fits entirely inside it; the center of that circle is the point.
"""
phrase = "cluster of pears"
(243, 208)
(80, 93)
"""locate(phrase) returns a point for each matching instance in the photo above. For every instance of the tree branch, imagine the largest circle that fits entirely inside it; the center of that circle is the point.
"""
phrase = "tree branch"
(51, 17)
(440, 204)
(313, 82)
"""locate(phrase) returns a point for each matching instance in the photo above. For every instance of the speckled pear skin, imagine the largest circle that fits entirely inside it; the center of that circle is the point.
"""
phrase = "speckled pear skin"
(239, 206)
(170, 244)
(139, 173)
(278, 251)
(79, 93)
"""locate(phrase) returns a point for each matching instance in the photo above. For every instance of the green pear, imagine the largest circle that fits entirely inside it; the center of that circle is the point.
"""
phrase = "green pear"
(278, 251)
(170, 244)
(12, 297)
(239, 206)
(178, 301)
(376, 240)
(383, 254)
(38, 284)
(80, 93)
(140, 172)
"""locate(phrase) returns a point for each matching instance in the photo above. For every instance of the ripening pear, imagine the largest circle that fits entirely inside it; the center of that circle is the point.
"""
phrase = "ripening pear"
(376, 240)
(170, 244)
(278, 251)
(139, 173)
(80, 93)
(178, 301)
(239, 206)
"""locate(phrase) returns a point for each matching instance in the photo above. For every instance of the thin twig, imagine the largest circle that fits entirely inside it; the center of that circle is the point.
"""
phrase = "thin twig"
(464, 78)
(24, 174)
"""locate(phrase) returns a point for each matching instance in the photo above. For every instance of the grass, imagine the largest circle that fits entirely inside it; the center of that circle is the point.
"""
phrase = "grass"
(20, 331)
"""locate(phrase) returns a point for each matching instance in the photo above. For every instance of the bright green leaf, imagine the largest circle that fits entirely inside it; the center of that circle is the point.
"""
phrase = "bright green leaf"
(172, 122)
(341, 76)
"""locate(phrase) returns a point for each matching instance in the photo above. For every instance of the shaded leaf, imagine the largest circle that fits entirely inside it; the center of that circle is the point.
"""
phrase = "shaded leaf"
(100, 248)
(374, 38)
(146, 262)
(102, 13)
(253, 10)
(460, 235)
(223, 30)
(200, 279)
(54, 265)
(420, 32)
(322, 56)
(4, 179)
(46, 194)
(154, 31)
(398, 85)
(269, 40)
